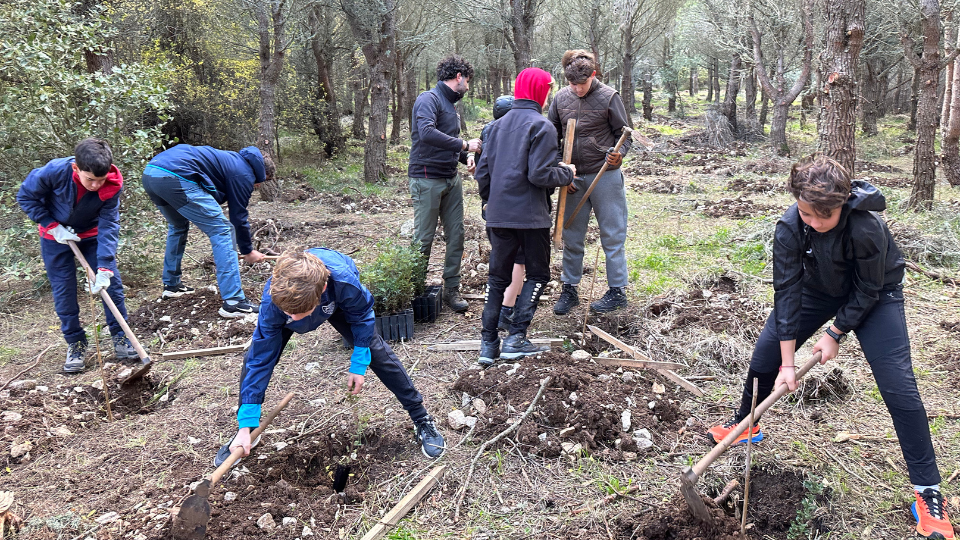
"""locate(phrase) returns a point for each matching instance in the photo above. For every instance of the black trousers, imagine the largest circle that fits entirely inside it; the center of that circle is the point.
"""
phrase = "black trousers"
(886, 345)
(384, 363)
(505, 244)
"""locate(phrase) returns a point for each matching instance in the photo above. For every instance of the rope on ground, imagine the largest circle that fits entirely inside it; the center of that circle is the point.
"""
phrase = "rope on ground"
(502, 434)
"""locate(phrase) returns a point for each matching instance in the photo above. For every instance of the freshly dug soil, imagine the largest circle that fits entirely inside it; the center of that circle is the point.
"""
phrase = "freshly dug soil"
(738, 208)
(192, 317)
(718, 306)
(584, 404)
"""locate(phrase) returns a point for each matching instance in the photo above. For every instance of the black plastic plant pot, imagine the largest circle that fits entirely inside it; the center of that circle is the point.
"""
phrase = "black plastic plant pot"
(395, 326)
(427, 307)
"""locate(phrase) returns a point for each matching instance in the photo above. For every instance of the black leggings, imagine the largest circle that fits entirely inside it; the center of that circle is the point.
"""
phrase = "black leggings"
(883, 338)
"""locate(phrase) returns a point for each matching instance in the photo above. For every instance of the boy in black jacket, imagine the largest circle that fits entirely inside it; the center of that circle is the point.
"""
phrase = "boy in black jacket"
(517, 167)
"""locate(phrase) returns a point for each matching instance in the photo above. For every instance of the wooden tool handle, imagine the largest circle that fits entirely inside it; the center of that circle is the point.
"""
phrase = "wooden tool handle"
(623, 138)
(562, 201)
(778, 393)
(238, 452)
(91, 275)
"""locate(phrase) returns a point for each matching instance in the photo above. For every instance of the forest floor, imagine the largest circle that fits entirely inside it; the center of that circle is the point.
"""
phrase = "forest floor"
(599, 455)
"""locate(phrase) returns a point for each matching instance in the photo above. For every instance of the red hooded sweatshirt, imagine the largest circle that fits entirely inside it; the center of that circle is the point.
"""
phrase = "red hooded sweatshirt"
(533, 84)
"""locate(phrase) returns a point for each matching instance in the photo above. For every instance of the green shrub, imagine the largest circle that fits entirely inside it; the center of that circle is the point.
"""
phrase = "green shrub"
(395, 276)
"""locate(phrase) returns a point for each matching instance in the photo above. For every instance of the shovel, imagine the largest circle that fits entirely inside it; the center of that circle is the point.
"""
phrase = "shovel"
(562, 200)
(145, 363)
(689, 476)
(191, 522)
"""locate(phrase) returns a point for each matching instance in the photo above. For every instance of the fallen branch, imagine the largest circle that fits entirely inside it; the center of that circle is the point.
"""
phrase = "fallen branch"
(406, 503)
(634, 353)
(953, 476)
(175, 355)
(933, 275)
(642, 364)
(28, 368)
(608, 499)
(484, 446)
(727, 490)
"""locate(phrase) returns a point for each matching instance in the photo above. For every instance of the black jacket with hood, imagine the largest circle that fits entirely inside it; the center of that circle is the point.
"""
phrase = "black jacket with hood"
(855, 260)
(435, 147)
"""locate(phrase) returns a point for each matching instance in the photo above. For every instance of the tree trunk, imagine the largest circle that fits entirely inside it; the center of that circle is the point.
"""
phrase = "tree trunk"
(950, 36)
(99, 61)
(522, 18)
(950, 146)
(883, 86)
(870, 90)
(838, 105)
(729, 108)
(376, 34)
(626, 81)
(710, 81)
(928, 68)
(914, 99)
(272, 49)
(781, 97)
(647, 86)
(325, 116)
(749, 94)
(716, 81)
(898, 92)
(360, 91)
(399, 99)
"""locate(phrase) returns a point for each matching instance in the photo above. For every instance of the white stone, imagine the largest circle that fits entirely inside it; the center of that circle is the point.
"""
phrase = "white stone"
(41, 388)
(690, 422)
(195, 331)
(406, 231)
(289, 521)
(317, 402)
(229, 496)
(580, 354)
(266, 522)
(11, 416)
(122, 375)
(109, 517)
(479, 406)
(483, 267)
(464, 400)
(566, 431)
(659, 388)
(26, 384)
(513, 370)
(97, 384)
(456, 419)
(643, 443)
(573, 396)
(193, 440)
(706, 293)
(62, 431)
(542, 437)
(212, 288)
(652, 405)
(280, 445)
(306, 530)
(21, 449)
(470, 421)
(625, 419)
(642, 433)
(628, 377)
(310, 366)
(570, 447)
(165, 398)
(166, 318)
(603, 377)
(78, 389)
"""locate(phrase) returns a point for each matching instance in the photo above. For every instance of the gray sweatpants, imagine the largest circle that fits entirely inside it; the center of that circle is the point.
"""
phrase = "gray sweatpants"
(433, 199)
(609, 203)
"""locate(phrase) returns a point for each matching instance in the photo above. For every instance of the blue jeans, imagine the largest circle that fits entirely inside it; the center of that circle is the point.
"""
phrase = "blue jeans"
(62, 271)
(182, 202)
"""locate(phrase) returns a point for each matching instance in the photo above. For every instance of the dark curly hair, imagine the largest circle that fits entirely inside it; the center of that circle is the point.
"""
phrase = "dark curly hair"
(451, 65)
(94, 156)
(578, 65)
(820, 182)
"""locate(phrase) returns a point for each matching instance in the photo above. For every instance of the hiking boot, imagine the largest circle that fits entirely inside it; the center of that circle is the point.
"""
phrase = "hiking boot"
(224, 452)
(506, 317)
(122, 348)
(431, 441)
(238, 309)
(717, 433)
(176, 291)
(76, 353)
(931, 514)
(569, 299)
(613, 300)
(453, 300)
(489, 352)
(517, 346)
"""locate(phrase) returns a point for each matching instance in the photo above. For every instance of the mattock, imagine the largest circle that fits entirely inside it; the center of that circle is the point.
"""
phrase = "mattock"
(690, 475)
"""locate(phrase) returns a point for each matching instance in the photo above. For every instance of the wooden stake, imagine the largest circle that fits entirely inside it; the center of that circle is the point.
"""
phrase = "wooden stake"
(639, 356)
(746, 480)
(562, 199)
(103, 376)
(408, 501)
(640, 364)
(205, 352)
(623, 138)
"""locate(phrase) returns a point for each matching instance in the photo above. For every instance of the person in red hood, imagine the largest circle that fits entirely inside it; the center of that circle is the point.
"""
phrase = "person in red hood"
(78, 199)
(516, 173)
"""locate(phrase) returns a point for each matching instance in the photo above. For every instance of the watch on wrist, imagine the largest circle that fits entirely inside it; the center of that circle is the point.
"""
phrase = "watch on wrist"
(837, 337)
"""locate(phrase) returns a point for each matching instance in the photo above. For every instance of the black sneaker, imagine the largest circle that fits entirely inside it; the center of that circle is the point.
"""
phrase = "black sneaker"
(518, 346)
(224, 453)
(76, 353)
(451, 297)
(431, 441)
(176, 291)
(506, 317)
(489, 352)
(613, 300)
(122, 348)
(569, 299)
(240, 309)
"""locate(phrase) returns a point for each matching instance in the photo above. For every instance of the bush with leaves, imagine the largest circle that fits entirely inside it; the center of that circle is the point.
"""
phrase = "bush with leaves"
(395, 276)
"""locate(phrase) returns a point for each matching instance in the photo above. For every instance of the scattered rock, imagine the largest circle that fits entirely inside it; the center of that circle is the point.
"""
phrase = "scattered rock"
(229, 496)
(289, 522)
(122, 375)
(628, 377)
(193, 440)
(659, 388)
(456, 419)
(566, 431)
(479, 406)
(266, 522)
(62, 431)
(109, 517)
(306, 532)
(41, 388)
(26, 384)
(310, 366)
(165, 318)
(513, 370)
(625, 419)
(406, 231)
(571, 447)
(97, 384)
(21, 449)
(10, 416)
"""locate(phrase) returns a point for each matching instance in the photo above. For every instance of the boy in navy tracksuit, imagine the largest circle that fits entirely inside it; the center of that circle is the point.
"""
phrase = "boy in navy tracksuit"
(306, 289)
(78, 199)
(188, 184)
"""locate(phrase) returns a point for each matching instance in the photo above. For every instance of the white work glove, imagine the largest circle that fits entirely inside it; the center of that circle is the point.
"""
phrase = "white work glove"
(62, 233)
(102, 280)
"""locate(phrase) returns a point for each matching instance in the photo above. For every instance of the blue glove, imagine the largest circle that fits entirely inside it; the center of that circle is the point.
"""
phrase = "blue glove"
(359, 360)
(102, 280)
(248, 415)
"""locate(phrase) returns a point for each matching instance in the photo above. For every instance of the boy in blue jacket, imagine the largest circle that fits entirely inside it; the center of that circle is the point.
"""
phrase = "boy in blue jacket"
(78, 199)
(306, 289)
(188, 184)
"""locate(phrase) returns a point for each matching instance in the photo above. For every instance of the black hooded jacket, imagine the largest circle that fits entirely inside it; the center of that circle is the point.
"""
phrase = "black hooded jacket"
(855, 260)
(435, 147)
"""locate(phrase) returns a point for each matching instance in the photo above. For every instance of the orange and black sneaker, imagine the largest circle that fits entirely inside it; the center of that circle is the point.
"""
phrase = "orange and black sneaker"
(931, 514)
(717, 433)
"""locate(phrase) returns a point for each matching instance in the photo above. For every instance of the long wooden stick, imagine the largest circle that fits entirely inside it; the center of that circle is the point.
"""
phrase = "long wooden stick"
(639, 356)
(623, 138)
(406, 503)
(746, 479)
(641, 364)
(212, 351)
(562, 201)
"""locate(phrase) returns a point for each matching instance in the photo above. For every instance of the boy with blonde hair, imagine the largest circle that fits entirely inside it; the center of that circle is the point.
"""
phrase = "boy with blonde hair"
(308, 288)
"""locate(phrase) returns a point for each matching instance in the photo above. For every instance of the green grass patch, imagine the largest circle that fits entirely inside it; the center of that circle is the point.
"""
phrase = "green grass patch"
(7, 354)
(668, 131)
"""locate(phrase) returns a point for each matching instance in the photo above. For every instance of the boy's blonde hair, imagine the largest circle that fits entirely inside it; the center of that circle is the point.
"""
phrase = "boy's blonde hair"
(298, 281)
(820, 182)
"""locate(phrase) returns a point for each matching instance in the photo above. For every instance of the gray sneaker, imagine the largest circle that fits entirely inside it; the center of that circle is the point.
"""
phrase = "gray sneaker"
(489, 352)
(76, 353)
(431, 441)
(122, 348)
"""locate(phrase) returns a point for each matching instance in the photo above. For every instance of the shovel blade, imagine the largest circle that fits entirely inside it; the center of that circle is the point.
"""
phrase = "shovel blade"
(139, 373)
(191, 522)
(689, 490)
